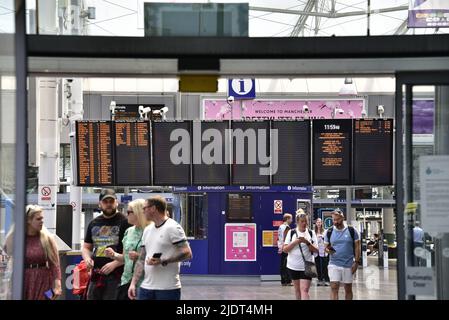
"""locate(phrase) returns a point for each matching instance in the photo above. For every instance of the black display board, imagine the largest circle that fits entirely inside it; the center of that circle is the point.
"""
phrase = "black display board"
(239, 207)
(94, 151)
(132, 153)
(293, 152)
(332, 152)
(130, 112)
(212, 156)
(176, 171)
(248, 171)
(373, 152)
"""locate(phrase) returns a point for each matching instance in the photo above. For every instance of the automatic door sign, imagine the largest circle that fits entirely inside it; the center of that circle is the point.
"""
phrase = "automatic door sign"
(242, 88)
(278, 206)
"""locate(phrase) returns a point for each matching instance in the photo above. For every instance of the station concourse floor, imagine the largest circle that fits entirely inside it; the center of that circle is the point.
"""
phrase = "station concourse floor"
(371, 283)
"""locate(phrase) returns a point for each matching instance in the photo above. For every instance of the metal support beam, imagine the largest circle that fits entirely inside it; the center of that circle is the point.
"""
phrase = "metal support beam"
(21, 151)
(303, 18)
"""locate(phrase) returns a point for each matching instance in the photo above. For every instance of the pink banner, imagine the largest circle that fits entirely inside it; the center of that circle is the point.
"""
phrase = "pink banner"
(240, 242)
(283, 109)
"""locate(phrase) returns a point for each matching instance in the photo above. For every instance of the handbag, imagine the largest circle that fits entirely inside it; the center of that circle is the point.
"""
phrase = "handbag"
(309, 267)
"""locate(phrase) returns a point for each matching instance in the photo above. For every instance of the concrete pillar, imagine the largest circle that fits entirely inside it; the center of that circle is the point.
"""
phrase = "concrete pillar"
(49, 149)
(75, 109)
(442, 148)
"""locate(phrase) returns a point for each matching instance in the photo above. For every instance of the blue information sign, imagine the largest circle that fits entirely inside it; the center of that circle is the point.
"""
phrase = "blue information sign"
(242, 88)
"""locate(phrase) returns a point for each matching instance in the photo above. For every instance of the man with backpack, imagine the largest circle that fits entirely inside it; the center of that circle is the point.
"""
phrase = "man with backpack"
(343, 245)
(282, 232)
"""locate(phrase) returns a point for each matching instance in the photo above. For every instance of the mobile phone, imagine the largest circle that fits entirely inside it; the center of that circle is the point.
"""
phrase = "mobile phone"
(157, 255)
(49, 294)
(331, 249)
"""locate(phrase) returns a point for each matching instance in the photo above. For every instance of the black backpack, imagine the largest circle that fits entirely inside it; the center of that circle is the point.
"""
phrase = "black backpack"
(351, 232)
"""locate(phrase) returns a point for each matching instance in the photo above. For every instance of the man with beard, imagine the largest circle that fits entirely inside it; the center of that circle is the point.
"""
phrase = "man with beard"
(342, 243)
(106, 230)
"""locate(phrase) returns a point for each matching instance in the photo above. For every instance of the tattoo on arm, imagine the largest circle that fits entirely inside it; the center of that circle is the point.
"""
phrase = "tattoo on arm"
(183, 252)
(140, 264)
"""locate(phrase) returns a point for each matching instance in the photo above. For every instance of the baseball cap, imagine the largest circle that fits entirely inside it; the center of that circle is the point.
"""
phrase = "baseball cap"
(107, 193)
(338, 212)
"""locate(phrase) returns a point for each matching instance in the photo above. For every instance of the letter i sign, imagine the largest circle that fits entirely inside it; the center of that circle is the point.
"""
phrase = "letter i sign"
(278, 206)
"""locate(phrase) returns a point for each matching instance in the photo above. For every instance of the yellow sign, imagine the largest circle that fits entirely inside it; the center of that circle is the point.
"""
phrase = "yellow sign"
(411, 207)
(198, 83)
(267, 237)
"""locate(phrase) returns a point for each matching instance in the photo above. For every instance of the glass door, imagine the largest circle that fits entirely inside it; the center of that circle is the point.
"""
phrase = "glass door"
(422, 162)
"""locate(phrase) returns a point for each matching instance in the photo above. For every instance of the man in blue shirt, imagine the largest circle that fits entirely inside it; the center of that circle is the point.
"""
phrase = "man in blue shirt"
(343, 247)
(418, 242)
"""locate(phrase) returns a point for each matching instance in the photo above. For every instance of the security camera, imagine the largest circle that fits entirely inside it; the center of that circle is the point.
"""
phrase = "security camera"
(230, 99)
(112, 107)
(380, 110)
(164, 110)
(339, 110)
(305, 108)
(143, 112)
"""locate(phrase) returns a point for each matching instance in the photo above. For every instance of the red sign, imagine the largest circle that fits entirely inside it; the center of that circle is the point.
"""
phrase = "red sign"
(46, 191)
(277, 223)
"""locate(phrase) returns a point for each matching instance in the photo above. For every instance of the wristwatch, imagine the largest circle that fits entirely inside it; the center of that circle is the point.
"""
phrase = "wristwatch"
(164, 263)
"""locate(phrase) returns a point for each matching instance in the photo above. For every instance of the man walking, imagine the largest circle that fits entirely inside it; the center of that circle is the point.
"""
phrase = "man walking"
(282, 231)
(106, 230)
(343, 245)
(164, 246)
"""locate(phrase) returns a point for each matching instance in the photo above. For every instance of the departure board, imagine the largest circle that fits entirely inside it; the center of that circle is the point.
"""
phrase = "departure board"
(293, 152)
(373, 152)
(248, 156)
(126, 112)
(239, 207)
(332, 152)
(94, 153)
(210, 157)
(171, 159)
(132, 153)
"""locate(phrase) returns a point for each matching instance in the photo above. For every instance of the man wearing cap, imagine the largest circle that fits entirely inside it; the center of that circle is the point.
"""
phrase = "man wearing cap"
(106, 230)
(343, 245)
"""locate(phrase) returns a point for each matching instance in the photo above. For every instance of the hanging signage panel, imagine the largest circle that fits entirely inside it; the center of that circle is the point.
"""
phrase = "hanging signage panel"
(132, 153)
(171, 153)
(373, 152)
(332, 152)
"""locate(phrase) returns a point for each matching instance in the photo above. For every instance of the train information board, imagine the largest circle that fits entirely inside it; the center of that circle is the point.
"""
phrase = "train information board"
(171, 153)
(132, 153)
(373, 152)
(94, 147)
(251, 147)
(293, 152)
(210, 155)
(332, 152)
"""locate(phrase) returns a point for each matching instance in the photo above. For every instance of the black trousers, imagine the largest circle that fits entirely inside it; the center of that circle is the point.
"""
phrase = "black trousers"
(321, 267)
(285, 276)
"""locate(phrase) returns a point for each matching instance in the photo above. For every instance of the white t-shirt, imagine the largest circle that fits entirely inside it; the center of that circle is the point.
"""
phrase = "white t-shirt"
(281, 231)
(162, 239)
(294, 259)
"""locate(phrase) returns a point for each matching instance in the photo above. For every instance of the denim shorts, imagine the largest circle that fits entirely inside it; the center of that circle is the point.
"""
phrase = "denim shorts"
(147, 294)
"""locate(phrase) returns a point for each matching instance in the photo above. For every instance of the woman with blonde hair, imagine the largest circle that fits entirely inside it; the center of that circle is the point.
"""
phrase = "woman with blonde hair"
(300, 244)
(131, 243)
(42, 269)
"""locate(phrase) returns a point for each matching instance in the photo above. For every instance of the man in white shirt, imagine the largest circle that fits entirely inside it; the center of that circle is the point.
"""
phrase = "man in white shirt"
(164, 246)
(282, 231)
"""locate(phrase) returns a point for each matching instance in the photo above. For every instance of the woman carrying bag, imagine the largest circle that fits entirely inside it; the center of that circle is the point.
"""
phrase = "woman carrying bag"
(131, 243)
(300, 244)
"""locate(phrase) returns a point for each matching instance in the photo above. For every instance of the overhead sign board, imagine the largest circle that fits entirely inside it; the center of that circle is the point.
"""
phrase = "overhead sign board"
(242, 88)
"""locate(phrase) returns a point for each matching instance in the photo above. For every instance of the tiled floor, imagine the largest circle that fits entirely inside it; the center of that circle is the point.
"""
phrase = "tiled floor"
(371, 283)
